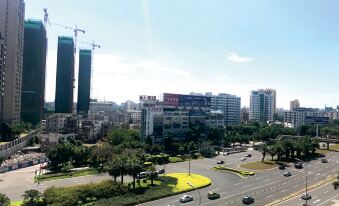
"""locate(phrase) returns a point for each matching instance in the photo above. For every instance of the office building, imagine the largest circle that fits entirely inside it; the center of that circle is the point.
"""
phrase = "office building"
(65, 75)
(230, 105)
(12, 13)
(84, 81)
(294, 104)
(272, 92)
(262, 105)
(33, 73)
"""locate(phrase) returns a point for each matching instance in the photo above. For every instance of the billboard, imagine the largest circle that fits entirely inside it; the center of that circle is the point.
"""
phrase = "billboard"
(186, 100)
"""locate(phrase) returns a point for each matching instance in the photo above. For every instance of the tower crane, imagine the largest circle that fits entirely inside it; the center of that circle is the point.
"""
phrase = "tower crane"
(75, 29)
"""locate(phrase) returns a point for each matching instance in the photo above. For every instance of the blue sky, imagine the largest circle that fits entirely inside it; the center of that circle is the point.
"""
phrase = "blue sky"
(230, 46)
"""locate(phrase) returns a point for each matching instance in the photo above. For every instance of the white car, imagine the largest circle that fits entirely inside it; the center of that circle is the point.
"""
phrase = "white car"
(243, 159)
(186, 198)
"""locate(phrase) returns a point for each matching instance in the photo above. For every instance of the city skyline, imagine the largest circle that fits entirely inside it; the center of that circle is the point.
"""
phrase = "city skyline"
(202, 47)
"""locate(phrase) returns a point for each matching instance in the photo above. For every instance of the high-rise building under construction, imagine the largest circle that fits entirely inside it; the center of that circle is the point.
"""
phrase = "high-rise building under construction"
(65, 75)
(84, 81)
(33, 73)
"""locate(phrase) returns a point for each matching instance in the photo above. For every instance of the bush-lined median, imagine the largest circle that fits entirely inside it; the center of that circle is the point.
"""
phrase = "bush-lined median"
(228, 169)
(112, 193)
(63, 175)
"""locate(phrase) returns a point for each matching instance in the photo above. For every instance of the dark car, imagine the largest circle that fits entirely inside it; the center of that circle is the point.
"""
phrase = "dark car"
(213, 195)
(249, 155)
(282, 167)
(306, 197)
(247, 200)
(220, 162)
(161, 171)
(298, 165)
(324, 161)
(287, 174)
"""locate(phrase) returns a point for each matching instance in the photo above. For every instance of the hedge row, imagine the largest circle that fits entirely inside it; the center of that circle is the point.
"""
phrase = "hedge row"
(242, 172)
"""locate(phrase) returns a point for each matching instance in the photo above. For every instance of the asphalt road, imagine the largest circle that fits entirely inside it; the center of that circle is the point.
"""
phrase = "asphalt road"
(324, 196)
(266, 186)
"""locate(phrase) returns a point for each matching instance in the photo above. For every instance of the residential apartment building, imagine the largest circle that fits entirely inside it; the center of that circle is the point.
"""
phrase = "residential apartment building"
(65, 75)
(56, 123)
(262, 105)
(305, 116)
(229, 104)
(99, 106)
(84, 81)
(294, 104)
(12, 14)
(33, 74)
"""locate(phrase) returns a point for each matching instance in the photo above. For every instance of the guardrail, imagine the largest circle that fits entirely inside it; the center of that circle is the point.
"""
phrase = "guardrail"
(16, 145)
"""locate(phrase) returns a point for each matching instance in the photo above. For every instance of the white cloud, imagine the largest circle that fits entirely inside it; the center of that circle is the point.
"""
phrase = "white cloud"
(236, 58)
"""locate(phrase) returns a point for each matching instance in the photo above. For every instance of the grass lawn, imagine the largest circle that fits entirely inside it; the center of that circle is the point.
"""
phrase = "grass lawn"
(62, 175)
(241, 173)
(334, 147)
(322, 151)
(198, 181)
(16, 203)
(175, 159)
(267, 164)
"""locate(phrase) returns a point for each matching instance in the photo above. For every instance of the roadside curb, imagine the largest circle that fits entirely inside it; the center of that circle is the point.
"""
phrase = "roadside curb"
(310, 188)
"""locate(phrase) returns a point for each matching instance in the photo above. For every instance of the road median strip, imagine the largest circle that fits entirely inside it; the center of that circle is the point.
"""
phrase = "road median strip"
(310, 188)
(242, 173)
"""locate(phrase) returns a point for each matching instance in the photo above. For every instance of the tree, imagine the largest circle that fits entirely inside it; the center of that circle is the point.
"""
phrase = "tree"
(122, 164)
(112, 167)
(101, 154)
(134, 167)
(32, 198)
(4, 200)
(263, 152)
(152, 173)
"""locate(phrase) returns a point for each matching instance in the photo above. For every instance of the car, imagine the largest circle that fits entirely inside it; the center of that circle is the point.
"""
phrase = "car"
(287, 174)
(186, 198)
(298, 165)
(282, 167)
(247, 200)
(243, 159)
(220, 162)
(213, 195)
(249, 155)
(324, 160)
(142, 175)
(306, 197)
(161, 171)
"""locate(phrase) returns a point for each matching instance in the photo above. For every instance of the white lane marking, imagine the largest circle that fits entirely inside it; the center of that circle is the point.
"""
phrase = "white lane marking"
(283, 191)
(316, 201)
(326, 192)
(267, 180)
(295, 186)
(268, 196)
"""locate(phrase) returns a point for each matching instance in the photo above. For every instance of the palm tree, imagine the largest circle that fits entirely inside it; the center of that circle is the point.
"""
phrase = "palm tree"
(134, 167)
(152, 173)
(122, 164)
(272, 151)
(264, 152)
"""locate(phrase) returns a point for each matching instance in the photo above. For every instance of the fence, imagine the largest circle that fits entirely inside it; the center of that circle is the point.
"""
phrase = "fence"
(20, 165)
(10, 148)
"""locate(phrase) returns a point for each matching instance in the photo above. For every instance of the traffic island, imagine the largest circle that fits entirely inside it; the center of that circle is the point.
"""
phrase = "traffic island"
(241, 173)
(109, 193)
(259, 165)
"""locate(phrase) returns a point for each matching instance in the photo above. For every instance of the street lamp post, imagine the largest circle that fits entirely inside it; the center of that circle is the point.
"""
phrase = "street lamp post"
(190, 184)
(306, 199)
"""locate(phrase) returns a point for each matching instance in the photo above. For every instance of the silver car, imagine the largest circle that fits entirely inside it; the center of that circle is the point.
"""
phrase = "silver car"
(186, 198)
